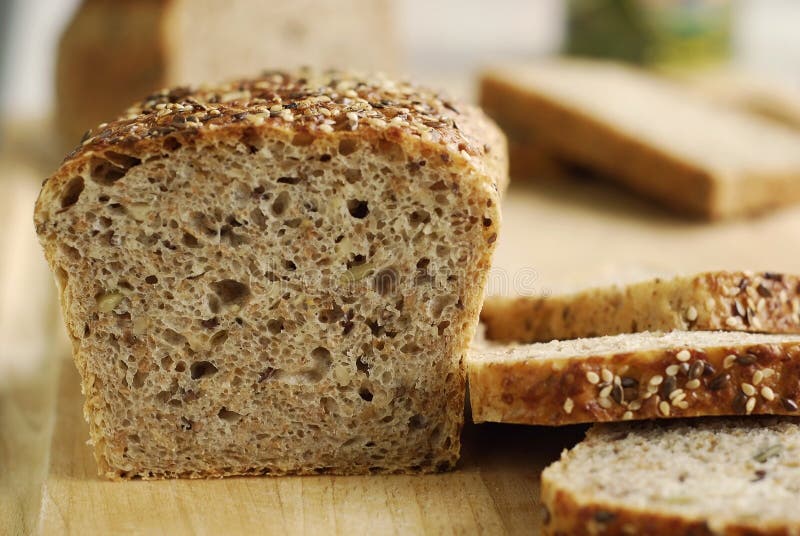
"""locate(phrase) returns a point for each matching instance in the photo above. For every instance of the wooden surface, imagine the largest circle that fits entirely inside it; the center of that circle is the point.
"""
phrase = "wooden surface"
(557, 235)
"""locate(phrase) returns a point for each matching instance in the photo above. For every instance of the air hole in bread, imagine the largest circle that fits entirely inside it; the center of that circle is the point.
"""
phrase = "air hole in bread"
(410, 348)
(440, 303)
(442, 327)
(281, 203)
(230, 292)
(173, 337)
(329, 316)
(228, 415)
(419, 217)
(365, 394)
(357, 209)
(71, 192)
(171, 144)
(151, 280)
(180, 366)
(289, 265)
(139, 379)
(347, 146)
(112, 168)
(329, 405)
(362, 366)
(352, 175)
(289, 180)
(386, 281)
(416, 422)
(218, 338)
(202, 369)
(275, 325)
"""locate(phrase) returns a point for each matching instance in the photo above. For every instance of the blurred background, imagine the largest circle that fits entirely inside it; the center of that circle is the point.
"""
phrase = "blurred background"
(67, 65)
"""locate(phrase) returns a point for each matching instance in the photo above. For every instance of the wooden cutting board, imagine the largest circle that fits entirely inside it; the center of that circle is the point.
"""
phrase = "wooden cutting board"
(557, 235)
(494, 491)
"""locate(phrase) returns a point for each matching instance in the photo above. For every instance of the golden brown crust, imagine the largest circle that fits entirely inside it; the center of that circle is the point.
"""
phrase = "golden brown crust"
(730, 301)
(565, 516)
(668, 383)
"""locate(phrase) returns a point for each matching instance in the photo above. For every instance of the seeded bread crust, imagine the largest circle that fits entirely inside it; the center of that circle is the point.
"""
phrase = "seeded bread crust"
(726, 301)
(639, 376)
(743, 449)
(613, 119)
(221, 329)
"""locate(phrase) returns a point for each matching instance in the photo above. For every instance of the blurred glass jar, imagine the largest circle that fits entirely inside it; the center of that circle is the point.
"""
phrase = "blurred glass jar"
(662, 33)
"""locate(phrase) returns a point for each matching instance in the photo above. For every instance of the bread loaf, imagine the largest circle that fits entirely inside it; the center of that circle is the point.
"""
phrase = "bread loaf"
(277, 275)
(658, 139)
(730, 301)
(694, 477)
(114, 52)
(636, 376)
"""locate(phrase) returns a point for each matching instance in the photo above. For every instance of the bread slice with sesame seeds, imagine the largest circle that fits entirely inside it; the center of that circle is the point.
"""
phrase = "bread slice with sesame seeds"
(721, 300)
(655, 137)
(636, 376)
(716, 476)
(277, 275)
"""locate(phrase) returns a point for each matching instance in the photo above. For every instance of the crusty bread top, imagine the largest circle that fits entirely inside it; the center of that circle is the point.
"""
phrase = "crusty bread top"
(310, 104)
(728, 142)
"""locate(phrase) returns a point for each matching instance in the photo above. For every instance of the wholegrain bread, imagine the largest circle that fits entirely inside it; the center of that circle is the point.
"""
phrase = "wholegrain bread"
(114, 52)
(659, 139)
(277, 275)
(730, 301)
(696, 477)
(636, 376)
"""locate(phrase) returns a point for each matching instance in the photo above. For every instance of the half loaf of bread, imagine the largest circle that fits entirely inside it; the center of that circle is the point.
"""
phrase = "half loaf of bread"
(278, 275)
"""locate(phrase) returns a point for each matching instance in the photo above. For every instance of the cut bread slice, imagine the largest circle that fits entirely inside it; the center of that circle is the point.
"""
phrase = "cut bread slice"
(692, 477)
(657, 138)
(636, 376)
(729, 301)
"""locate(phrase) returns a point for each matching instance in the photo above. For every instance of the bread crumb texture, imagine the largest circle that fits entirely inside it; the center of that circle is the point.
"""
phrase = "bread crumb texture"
(704, 477)
(279, 275)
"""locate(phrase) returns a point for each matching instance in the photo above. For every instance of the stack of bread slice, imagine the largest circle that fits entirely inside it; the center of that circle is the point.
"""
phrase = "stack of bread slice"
(713, 344)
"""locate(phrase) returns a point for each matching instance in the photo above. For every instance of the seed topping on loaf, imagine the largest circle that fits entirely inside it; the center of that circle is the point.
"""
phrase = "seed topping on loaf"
(312, 103)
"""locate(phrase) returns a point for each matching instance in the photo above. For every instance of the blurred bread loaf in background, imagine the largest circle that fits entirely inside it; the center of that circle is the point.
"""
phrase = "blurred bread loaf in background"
(115, 52)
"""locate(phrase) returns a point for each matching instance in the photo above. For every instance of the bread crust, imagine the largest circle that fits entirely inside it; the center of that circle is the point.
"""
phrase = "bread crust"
(647, 384)
(296, 109)
(721, 300)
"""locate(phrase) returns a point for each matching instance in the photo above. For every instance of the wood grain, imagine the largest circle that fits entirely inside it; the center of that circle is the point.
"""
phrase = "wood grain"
(494, 491)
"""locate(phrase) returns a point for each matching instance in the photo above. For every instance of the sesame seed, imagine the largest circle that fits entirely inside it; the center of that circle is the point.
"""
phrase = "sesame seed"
(656, 380)
(693, 384)
(676, 393)
(678, 399)
(697, 369)
(683, 404)
(568, 406)
(750, 406)
(691, 313)
(768, 393)
(592, 377)
(728, 361)
(606, 375)
(635, 405)
(789, 404)
(673, 370)
(748, 389)
(732, 321)
(683, 355)
(605, 391)
(710, 303)
(325, 127)
(768, 373)
(604, 403)
(757, 377)
(628, 415)
(663, 407)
